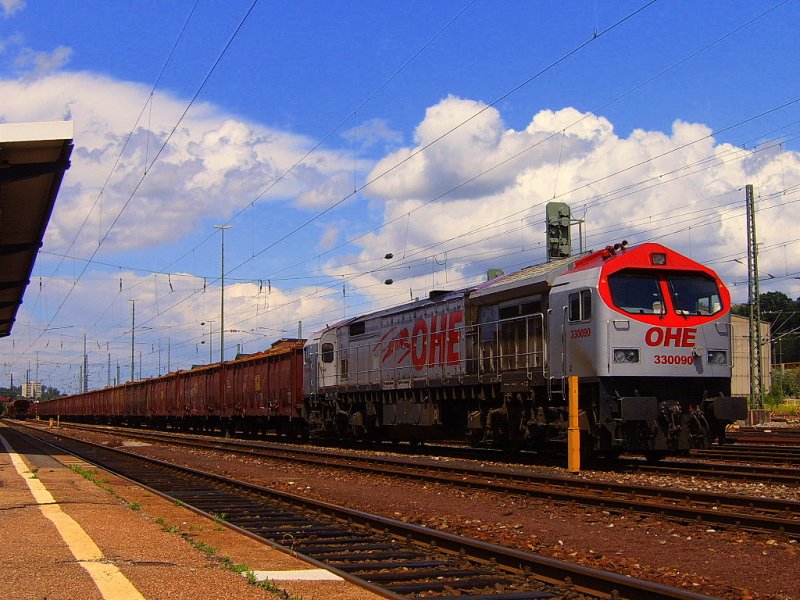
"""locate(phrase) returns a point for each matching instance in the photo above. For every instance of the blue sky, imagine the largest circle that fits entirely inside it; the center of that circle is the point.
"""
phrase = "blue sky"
(331, 133)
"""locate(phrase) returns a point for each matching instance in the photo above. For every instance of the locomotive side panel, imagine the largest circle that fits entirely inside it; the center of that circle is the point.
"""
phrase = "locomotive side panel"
(391, 374)
(422, 344)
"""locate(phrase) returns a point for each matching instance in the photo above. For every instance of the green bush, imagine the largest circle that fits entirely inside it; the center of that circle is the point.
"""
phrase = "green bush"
(785, 384)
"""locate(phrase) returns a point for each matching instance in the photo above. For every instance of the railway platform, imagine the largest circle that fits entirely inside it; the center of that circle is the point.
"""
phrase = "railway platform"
(72, 531)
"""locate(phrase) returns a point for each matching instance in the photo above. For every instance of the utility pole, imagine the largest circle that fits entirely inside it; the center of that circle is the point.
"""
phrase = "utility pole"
(108, 372)
(222, 229)
(754, 300)
(85, 366)
(133, 325)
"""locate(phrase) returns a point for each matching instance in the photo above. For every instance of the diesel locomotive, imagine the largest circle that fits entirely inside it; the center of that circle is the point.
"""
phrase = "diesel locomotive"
(645, 330)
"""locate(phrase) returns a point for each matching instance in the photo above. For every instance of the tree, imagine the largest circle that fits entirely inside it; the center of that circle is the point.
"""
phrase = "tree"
(12, 392)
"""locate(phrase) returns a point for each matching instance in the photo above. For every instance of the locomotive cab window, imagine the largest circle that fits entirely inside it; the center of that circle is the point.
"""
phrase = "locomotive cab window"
(694, 294)
(358, 328)
(638, 294)
(327, 353)
(580, 306)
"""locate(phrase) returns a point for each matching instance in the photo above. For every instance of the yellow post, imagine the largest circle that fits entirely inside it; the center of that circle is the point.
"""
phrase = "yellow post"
(51, 422)
(58, 421)
(573, 431)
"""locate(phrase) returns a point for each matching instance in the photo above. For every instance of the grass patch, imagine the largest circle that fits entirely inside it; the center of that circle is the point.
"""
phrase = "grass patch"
(225, 562)
(786, 410)
(205, 548)
(166, 526)
(228, 564)
(267, 585)
(91, 475)
(135, 506)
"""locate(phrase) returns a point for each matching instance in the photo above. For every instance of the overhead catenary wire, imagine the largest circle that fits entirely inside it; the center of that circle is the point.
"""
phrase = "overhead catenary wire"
(127, 139)
(155, 158)
(519, 86)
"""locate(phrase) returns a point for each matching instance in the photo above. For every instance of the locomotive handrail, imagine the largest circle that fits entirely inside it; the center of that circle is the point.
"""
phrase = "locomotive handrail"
(518, 343)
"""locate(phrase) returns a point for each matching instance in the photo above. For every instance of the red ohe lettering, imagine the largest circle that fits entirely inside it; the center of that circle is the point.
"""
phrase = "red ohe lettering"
(453, 335)
(677, 337)
(436, 342)
(419, 344)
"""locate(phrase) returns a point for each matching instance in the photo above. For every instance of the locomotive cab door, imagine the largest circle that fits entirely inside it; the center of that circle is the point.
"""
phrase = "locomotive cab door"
(327, 374)
(556, 335)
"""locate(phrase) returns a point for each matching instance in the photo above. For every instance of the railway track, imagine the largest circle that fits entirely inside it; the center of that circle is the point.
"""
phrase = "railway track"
(773, 455)
(729, 471)
(777, 436)
(687, 506)
(389, 557)
(458, 451)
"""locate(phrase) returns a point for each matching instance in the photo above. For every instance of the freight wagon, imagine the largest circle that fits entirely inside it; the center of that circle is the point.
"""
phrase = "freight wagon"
(257, 393)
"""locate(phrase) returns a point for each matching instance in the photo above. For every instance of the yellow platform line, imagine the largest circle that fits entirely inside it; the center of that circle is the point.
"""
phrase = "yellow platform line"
(112, 584)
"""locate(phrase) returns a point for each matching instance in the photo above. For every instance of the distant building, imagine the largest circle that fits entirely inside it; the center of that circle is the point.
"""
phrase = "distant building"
(32, 390)
(740, 385)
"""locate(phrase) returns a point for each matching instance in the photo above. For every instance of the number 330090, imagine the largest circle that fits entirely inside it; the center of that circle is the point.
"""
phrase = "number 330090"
(669, 359)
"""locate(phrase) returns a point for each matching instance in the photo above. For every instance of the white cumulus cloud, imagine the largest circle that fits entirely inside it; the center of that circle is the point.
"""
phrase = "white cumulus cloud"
(211, 164)
(11, 6)
(475, 198)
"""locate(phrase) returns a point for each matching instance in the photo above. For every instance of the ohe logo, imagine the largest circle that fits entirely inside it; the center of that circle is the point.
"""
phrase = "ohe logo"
(678, 337)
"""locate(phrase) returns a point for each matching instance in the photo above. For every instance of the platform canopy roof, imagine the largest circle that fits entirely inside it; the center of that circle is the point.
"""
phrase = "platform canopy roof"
(33, 159)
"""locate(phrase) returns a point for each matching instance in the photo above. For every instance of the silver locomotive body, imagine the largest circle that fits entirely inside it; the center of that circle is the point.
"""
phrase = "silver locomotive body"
(649, 342)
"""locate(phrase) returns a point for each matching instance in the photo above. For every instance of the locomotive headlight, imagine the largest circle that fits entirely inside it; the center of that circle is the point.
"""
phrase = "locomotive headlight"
(626, 355)
(658, 258)
(717, 357)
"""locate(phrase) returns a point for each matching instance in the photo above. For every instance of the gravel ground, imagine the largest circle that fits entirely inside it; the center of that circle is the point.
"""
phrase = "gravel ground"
(728, 564)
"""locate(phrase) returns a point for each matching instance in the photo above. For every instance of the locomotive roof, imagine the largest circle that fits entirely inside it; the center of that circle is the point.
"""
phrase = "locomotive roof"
(545, 272)
(541, 273)
(434, 297)
(539, 276)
